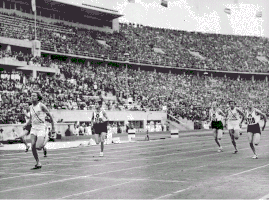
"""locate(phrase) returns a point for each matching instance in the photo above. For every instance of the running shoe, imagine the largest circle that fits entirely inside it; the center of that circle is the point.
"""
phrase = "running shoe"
(255, 157)
(220, 150)
(235, 152)
(27, 148)
(101, 154)
(37, 167)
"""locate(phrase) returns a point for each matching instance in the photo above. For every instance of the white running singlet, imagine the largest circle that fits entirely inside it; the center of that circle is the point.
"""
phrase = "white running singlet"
(98, 116)
(38, 116)
(252, 117)
(215, 116)
(233, 114)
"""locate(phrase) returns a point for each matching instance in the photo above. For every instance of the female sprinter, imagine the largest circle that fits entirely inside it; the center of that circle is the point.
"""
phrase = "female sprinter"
(253, 127)
(39, 133)
(216, 115)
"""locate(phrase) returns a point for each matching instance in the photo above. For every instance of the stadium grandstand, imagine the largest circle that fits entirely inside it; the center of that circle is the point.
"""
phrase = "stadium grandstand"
(73, 59)
(74, 80)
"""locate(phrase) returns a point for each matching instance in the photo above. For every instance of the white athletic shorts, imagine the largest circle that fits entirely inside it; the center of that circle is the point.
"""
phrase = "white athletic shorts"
(233, 124)
(42, 134)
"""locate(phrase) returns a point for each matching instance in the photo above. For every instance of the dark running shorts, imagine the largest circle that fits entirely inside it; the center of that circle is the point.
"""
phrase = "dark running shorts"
(99, 128)
(28, 128)
(254, 128)
(216, 125)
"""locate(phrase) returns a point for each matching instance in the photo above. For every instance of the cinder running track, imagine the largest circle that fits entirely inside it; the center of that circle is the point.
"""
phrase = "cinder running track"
(184, 168)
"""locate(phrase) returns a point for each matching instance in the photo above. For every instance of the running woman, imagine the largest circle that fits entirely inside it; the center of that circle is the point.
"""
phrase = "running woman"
(99, 125)
(38, 133)
(233, 122)
(253, 127)
(216, 116)
(27, 130)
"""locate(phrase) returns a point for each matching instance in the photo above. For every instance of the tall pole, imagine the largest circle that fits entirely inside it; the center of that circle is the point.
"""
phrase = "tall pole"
(261, 27)
(35, 24)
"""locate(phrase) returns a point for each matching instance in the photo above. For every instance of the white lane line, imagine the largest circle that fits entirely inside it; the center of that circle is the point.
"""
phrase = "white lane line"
(94, 190)
(248, 170)
(170, 194)
(206, 142)
(182, 190)
(133, 147)
(124, 179)
(157, 156)
(52, 164)
(79, 177)
(107, 172)
(129, 181)
(144, 158)
(123, 146)
(111, 152)
(29, 174)
(266, 197)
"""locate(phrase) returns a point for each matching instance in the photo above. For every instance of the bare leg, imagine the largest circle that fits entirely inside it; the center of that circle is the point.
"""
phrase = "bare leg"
(250, 139)
(34, 151)
(233, 140)
(45, 151)
(24, 142)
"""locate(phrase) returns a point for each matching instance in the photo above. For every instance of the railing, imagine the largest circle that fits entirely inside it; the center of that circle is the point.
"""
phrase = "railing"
(172, 118)
(160, 64)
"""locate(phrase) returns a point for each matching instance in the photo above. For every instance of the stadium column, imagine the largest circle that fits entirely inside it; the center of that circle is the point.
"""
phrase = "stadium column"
(115, 25)
(34, 73)
(266, 79)
(8, 48)
(36, 48)
(252, 77)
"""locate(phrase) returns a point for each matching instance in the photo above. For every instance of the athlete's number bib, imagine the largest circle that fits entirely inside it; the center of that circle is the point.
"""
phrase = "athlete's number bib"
(98, 119)
(251, 120)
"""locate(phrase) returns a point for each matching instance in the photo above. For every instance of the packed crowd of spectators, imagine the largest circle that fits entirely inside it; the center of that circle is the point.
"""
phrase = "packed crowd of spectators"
(78, 84)
(175, 48)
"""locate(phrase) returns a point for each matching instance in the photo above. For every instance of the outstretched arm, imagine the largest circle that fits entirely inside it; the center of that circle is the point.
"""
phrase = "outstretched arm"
(105, 115)
(264, 118)
(242, 115)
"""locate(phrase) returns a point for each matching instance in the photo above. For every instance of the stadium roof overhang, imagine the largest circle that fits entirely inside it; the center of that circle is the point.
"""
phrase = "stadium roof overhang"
(79, 9)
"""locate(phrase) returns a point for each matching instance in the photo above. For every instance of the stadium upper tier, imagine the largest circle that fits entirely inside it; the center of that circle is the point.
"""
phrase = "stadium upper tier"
(147, 45)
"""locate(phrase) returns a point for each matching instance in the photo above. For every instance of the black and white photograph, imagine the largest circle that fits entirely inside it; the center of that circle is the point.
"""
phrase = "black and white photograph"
(134, 99)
